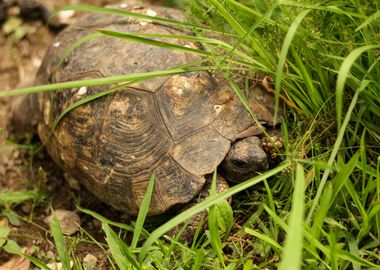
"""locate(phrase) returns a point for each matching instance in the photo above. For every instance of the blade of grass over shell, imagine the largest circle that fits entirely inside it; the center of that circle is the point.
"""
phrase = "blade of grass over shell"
(134, 37)
(75, 45)
(203, 40)
(144, 208)
(86, 100)
(283, 55)
(120, 251)
(156, 234)
(99, 81)
(210, 41)
(153, 42)
(335, 149)
(78, 103)
(292, 253)
(122, 12)
(60, 243)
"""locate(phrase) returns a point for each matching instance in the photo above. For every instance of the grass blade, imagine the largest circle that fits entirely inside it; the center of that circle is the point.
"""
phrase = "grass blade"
(106, 220)
(369, 20)
(121, 12)
(330, 8)
(213, 223)
(343, 175)
(284, 52)
(228, 16)
(120, 251)
(37, 262)
(16, 197)
(321, 214)
(335, 149)
(292, 254)
(264, 238)
(152, 42)
(59, 242)
(144, 208)
(343, 74)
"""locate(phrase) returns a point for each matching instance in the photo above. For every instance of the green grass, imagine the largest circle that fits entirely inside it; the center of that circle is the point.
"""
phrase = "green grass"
(320, 208)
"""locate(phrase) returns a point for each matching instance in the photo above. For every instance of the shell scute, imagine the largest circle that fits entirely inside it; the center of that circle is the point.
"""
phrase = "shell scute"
(186, 103)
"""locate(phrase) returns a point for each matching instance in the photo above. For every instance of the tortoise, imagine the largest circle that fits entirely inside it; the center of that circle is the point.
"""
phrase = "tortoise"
(179, 127)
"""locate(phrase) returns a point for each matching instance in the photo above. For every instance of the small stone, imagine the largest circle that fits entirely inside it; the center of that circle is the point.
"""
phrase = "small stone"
(144, 22)
(82, 91)
(16, 263)
(68, 220)
(89, 261)
(50, 254)
(57, 44)
(58, 265)
(123, 5)
(151, 13)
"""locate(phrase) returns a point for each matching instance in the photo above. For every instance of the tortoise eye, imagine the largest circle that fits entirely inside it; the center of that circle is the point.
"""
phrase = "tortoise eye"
(239, 163)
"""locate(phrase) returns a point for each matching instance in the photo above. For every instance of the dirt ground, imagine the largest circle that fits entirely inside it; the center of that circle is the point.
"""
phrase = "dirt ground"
(19, 61)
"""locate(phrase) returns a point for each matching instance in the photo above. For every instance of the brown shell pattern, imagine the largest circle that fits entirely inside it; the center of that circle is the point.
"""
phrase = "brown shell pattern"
(180, 127)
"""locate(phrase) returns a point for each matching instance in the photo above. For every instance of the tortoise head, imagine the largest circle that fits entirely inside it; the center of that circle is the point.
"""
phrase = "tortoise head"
(245, 159)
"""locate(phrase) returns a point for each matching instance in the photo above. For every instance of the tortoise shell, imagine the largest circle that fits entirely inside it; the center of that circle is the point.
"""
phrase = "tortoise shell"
(178, 127)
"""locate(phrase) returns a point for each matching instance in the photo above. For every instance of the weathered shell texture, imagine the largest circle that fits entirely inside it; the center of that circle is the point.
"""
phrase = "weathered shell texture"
(177, 127)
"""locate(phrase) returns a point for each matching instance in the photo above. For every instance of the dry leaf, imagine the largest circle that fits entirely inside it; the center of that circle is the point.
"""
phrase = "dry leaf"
(16, 263)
